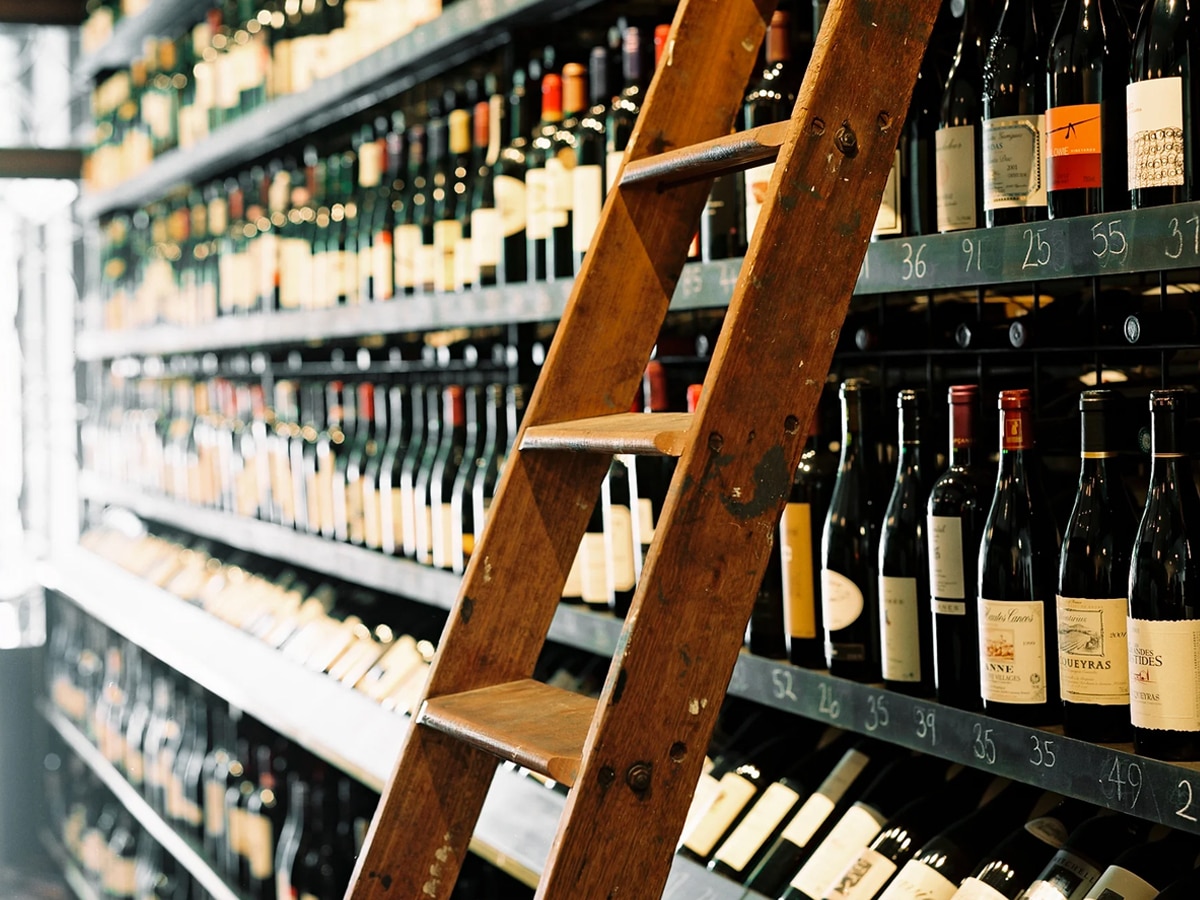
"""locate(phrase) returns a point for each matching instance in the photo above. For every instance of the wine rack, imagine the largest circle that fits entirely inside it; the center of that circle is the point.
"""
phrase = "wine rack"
(336, 723)
(462, 32)
(172, 842)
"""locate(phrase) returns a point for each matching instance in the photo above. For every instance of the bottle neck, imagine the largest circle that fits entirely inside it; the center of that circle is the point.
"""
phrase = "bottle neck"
(962, 434)
(851, 430)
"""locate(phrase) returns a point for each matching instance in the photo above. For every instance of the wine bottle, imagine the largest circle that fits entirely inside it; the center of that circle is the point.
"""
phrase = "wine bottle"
(391, 510)
(1162, 139)
(488, 123)
(956, 514)
(1005, 872)
(942, 862)
(540, 220)
(587, 178)
(1075, 868)
(1163, 628)
(495, 444)
(849, 555)
(560, 174)
(1088, 65)
(262, 819)
(800, 559)
(1017, 557)
(905, 627)
(623, 113)
(617, 497)
(861, 823)
(462, 526)
(766, 633)
(290, 836)
(408, 236)
(1014, 118)
(958, 142)
(770, 99)
(1139, 872)
(451, 456)
(422, 513)
(747, 845)
(915, 823)
(1093, 578)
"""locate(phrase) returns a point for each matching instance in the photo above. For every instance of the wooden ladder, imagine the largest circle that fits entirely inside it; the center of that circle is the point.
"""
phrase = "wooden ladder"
(632, 758)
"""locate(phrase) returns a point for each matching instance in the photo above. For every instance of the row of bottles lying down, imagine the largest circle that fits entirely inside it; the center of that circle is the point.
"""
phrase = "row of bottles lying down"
(350, 633)
(471, 184)
(787, 806)
(271, 819)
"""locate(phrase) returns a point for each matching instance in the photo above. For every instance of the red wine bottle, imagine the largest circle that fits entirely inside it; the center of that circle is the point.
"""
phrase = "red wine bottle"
(807, 827)
(1017, 562)
(1074, 869)
(1162, 138)
(943, 861)
(1014, 118)
(1139, 872)
(956, 511)
(905, 629)
(849, 554)
(1093, 577)
(958, 141)
(914, 824)
(861, 823)
(1005, 872)
(799, 554)
(1164, 631)
(1088, 66)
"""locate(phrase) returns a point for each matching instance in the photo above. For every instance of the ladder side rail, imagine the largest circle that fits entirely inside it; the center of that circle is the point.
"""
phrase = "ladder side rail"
(514, 580)
(683, 634)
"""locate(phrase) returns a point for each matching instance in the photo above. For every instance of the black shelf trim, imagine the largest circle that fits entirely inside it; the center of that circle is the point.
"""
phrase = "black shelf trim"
(462, 32)
(171, 841)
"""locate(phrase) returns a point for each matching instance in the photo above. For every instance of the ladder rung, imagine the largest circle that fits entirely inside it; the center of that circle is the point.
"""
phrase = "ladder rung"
(730, 153)
(535, 725)
(642, 434)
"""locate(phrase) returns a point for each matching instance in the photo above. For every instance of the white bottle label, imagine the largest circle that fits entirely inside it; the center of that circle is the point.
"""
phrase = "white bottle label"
(841, 846)
(612, 163)
(645, 520)
(485, 237)
(620, 528)
(1013, 666)
(587, 191)
(947, 582)
(1093, 653)
(593, 570)
(537, 218)
(758, 825)
(917, 881)
(863, 878)
(1121, 884)
(407, 243)
(1013, 162)
(1066, 877)
(707, 790)
(841, 600)
(510, 202)
(954, 162)
(758, 182)
(560, 188)
(735, 793)
(889, 219)
(898, 606)
(796, 553)
(816, 809)
(1154, 119)
(1164, 674)
(974, 889)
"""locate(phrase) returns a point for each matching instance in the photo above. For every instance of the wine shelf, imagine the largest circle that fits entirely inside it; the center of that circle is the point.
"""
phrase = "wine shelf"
(72, 875)
(707, 285)
(162, 18)
(462, 32)
(172, 842)
(517, 824)
(1148, 240)
(1106, 775)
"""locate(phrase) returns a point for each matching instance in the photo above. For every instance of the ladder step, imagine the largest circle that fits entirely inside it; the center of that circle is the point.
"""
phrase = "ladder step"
(642, 434)
(540, 727)
(721, 156)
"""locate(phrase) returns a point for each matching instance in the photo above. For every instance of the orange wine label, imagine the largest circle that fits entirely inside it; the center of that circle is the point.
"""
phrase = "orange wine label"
(1073, 146)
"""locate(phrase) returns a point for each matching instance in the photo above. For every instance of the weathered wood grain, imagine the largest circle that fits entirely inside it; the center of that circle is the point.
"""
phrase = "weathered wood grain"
(721, 156)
